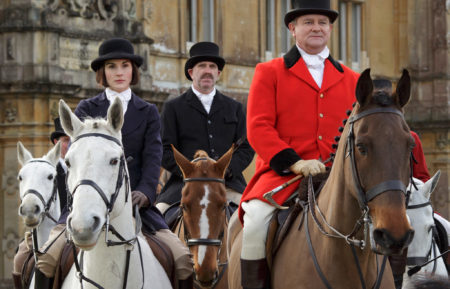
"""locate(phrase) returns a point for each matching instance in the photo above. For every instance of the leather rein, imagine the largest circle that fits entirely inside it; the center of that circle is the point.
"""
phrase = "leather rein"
(122, 176)
(363, 199)
(206, 241)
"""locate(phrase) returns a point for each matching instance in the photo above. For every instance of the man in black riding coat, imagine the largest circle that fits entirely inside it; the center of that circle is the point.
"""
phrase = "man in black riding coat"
(203, 118)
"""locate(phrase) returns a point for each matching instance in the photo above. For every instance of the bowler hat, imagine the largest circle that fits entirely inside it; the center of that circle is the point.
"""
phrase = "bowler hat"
(203, 51)
(59, 132)
(303, 7)
(115, 48)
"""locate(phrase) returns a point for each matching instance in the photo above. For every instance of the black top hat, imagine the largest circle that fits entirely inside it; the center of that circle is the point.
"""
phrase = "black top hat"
(203, 51)
(59, 132)
(115, 48)
(303, 7)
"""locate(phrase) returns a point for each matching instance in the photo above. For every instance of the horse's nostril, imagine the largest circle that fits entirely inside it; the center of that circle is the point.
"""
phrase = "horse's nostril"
(69, 224)
(96, 223)
(21, 210)
(37, 210)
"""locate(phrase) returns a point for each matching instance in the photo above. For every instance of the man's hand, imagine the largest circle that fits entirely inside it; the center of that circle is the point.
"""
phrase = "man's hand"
(307, 167)
(140, 199)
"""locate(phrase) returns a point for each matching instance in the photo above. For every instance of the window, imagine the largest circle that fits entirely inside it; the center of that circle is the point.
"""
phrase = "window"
(350, 36)
(208, 20)
(191, 20)
(270, 29)
(285, 35)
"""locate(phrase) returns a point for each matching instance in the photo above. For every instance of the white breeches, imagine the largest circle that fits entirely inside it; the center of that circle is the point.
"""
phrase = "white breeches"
(256, 223)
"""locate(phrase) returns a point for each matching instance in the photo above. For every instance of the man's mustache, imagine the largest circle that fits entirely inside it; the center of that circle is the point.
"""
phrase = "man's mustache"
(207, 75)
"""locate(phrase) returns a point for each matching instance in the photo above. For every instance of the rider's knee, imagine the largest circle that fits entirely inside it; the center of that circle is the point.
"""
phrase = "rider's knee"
(21, 256)
(47, 262)
(184, 267)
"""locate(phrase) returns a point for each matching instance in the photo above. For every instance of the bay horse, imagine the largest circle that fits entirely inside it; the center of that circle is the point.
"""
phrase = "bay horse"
(113, 252)
(203, 223)
(362, 202)
(38, 191)
(423, 247)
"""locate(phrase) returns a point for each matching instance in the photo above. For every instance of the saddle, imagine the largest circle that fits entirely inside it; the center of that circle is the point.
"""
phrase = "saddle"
(282, 220)
(161, 251)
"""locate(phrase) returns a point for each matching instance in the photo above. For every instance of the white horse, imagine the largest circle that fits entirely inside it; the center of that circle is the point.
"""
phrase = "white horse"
(113, 254)
(39, 207)
(423, 247)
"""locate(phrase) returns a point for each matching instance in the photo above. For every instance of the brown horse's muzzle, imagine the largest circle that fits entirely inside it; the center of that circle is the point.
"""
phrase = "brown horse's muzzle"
(386, 244)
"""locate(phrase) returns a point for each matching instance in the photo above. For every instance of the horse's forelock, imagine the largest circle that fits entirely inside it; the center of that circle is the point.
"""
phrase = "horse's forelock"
(98, 125)
(201, 154)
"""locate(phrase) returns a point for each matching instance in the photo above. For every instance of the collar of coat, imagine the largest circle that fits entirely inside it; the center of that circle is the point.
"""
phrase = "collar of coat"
(134, 115)
(216, 105)
(294, 55)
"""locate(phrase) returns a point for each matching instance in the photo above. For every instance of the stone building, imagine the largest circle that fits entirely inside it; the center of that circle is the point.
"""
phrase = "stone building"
(46, 47)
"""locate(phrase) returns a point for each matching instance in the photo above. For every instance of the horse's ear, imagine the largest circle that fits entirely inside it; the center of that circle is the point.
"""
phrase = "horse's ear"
(69, 121)
(364, 87)
(431, 184)
(115, 114)
(184, 164)
(404, 88)
(54, 154)
(23, 155)
(224, 161)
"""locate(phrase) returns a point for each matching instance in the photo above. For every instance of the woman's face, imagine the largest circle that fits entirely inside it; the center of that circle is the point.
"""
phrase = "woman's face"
(119, 73)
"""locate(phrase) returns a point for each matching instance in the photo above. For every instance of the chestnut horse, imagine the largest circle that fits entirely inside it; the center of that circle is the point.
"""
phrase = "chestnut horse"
(362, 201)
(203, 223)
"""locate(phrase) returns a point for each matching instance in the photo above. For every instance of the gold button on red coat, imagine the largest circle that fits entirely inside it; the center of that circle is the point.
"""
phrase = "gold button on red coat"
(321, 95)
(321, 114)
(320, 137)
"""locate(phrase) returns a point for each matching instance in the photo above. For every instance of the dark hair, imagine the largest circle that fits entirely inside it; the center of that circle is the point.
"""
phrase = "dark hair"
(100, 75)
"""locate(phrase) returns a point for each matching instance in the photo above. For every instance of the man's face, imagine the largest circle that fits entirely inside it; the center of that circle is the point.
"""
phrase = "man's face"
(204, 76)
(311, 32)
(64, 144)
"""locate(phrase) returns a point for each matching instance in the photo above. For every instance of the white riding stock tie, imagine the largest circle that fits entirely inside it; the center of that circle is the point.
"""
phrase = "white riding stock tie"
(124, 96)
(315, 63)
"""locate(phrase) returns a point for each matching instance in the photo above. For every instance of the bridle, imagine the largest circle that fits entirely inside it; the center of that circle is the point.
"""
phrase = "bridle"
(364, 197)
(47, 204)
(412, 261)
(121, 179)
(205, 241)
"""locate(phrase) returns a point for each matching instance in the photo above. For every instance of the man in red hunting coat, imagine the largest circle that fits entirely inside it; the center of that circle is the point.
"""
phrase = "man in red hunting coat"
(295, 107)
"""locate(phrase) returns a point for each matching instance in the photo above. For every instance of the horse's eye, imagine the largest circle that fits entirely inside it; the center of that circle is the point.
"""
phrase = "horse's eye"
(50, 177)
(67, 163)
(19, 177)
(362, 148)
(114, 161)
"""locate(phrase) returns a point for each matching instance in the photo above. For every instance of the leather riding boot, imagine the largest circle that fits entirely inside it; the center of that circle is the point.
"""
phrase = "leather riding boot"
(255, 274)
(17, 280)
(41, 281)
(186, 283)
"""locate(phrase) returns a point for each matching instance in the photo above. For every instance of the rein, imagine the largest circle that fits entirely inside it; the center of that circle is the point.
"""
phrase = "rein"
(363, 199)
(122, 175)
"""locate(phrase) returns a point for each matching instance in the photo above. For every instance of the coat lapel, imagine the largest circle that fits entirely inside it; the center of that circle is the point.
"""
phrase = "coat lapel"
(294, 62)
(332, 73)
(194, 102)
(134, 115)
(101, 105)
(217, 103)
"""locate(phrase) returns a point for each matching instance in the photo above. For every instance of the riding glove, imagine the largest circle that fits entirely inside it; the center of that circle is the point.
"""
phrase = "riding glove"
(140, 199)
(307, 167)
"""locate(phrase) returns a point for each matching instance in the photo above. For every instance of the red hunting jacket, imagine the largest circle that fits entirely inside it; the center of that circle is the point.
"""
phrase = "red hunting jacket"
(290, 118)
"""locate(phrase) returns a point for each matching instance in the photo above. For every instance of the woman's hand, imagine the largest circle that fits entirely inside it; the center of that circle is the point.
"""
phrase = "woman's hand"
(140, 199)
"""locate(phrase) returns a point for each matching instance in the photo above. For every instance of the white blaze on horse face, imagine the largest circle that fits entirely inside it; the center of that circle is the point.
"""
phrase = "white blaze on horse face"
(204, 225)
